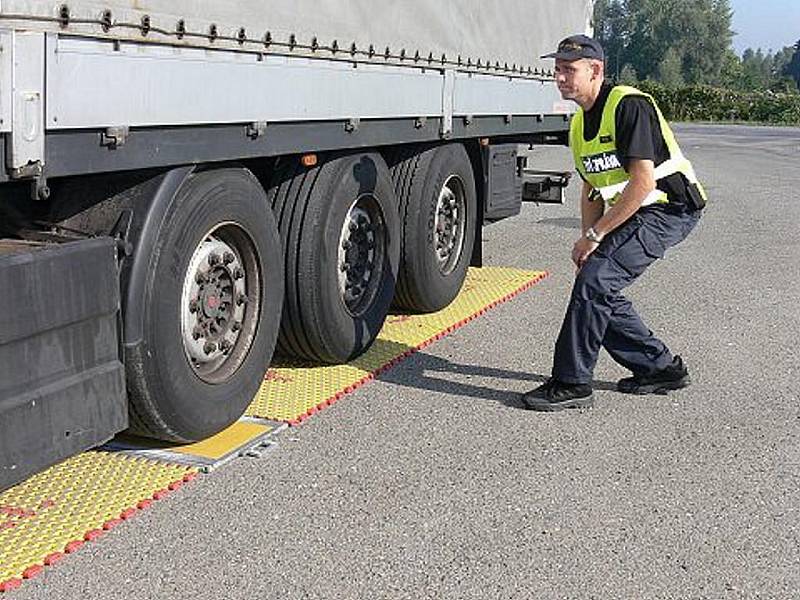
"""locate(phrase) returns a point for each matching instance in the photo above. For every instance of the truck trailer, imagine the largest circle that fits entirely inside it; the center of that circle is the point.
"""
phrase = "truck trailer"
(190, 187)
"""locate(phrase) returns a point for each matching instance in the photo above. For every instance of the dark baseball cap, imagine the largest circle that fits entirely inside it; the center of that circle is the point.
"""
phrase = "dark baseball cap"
(576, 47)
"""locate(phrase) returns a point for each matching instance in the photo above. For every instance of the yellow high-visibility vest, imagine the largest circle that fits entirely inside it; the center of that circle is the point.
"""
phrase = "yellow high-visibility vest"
(596, 159)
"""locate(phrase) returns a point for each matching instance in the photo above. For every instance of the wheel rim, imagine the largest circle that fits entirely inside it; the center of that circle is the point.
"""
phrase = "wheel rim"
(220, 302)
(450, 224)
(362, 247)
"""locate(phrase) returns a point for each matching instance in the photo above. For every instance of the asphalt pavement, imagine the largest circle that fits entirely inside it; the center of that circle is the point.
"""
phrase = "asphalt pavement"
(432, 482)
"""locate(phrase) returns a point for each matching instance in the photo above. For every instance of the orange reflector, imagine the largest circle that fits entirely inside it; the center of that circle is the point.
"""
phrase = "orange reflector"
(309, 160)
(484, 141)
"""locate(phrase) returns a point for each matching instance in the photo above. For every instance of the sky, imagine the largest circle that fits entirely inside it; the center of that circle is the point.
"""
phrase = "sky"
(768, 24)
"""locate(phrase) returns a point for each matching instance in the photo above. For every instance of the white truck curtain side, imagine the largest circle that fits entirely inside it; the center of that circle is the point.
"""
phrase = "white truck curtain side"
(516, 32)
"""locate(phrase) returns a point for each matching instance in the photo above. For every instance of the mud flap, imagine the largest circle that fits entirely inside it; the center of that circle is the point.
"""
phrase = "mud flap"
(62, 383)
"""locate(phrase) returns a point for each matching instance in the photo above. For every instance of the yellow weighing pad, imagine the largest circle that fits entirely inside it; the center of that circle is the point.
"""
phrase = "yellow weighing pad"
(55, 512)
(292, 393)
(246, 436)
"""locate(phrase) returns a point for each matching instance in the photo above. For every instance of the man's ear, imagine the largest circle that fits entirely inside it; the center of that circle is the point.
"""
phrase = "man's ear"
(598, 70)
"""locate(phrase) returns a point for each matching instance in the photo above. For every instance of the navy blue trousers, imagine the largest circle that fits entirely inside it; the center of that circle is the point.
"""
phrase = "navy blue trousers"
(598, 315)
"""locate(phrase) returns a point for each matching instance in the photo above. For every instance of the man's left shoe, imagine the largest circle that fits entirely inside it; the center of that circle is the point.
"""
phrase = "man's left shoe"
(674, 377)
(557, 395)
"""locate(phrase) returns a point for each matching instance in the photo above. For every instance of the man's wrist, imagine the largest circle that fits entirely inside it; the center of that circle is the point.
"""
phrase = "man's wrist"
(592, 235)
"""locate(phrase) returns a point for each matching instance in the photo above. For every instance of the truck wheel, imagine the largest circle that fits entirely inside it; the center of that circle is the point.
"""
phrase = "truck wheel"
(438, 212)
(212, 307)
(340, 231)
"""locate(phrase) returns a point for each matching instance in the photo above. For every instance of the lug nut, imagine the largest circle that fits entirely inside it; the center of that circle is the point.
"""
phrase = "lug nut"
(200, 278)
(228, 258)
(197, 332)
(346, 245)
(242, 299)
(214, 259)
(352, 226)
(238, 273)
(237, 326)
(210, 348)
(345, 267)
(194, 306)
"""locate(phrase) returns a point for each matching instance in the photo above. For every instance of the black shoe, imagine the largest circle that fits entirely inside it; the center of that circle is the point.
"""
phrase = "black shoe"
(673, 377)
(557, 395)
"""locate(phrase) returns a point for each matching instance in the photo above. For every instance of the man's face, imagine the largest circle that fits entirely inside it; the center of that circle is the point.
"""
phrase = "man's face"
(575, 78)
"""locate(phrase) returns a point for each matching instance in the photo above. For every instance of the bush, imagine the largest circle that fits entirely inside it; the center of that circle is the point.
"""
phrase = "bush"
(705, 103)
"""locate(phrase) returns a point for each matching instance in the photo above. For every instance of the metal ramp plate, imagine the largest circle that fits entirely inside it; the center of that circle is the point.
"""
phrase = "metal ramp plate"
(247, 436)
(55, 512)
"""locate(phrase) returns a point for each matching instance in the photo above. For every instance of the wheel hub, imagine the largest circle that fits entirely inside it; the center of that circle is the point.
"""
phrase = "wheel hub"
(449, 227)
(359, 252)
(213, 301)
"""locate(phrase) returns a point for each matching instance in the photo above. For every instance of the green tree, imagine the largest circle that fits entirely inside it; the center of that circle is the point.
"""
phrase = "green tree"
(611, 24)
(650, 35)
(732, 73)
(753, 72)
(792, 68)
(670, 69)
(628, 75)
(706, 36)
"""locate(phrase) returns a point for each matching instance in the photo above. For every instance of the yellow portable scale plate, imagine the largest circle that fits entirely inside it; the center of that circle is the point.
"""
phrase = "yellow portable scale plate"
(55, 512)
(247, 436)
(295, 392)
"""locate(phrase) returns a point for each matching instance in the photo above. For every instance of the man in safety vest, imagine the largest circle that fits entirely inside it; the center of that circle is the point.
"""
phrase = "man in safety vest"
(640, 196)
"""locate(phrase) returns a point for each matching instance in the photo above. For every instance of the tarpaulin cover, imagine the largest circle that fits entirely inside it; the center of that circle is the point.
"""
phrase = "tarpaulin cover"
(516, 32)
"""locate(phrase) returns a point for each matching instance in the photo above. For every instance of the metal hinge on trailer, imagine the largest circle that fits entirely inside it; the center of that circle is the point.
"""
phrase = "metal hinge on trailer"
(33, 171)
(23, 75)
(113, 137)
(546, 187)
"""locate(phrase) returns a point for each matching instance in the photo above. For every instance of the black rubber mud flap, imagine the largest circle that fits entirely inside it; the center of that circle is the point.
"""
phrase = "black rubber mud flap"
(62, 384)
(438, 212)
(210, 309)
(340, 231)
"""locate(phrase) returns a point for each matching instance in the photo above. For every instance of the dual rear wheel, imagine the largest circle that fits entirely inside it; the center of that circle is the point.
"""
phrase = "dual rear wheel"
(358, 235)
(310, 267)
(438, 208)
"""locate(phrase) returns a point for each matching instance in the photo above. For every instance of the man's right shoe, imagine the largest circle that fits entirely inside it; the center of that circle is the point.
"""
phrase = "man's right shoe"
(557, 395)
(673, 377)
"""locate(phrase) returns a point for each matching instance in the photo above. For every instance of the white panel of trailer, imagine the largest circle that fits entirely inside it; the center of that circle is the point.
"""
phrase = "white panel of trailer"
(506, 31)
(6, 79)
(476, 94)
(96, 83)
(90, 84)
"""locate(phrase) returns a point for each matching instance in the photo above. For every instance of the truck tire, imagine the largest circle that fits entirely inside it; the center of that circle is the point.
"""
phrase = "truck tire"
(340, 231)
(435, 189)
(211, 309)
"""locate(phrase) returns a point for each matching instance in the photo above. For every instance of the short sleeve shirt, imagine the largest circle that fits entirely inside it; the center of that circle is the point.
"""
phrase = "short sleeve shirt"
(638, 137)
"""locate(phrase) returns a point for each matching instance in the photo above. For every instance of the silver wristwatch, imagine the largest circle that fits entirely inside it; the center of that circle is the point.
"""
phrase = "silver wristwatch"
(593, 236)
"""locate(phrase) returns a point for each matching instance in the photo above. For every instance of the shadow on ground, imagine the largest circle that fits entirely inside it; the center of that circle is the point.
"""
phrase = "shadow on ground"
(564, 222)
(435, 374)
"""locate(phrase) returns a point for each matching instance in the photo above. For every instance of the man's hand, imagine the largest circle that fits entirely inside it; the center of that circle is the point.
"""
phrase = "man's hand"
(642, 182)
(582, 250)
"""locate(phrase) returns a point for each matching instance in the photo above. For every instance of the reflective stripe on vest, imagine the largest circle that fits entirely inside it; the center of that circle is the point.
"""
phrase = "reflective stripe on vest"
(596, 159)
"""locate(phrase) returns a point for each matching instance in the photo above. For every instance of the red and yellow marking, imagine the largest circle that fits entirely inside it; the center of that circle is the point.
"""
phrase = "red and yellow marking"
(57, 511)
(294, 393)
